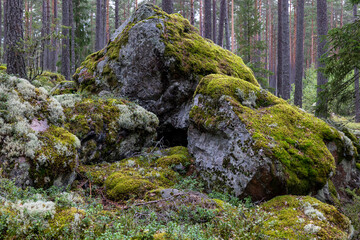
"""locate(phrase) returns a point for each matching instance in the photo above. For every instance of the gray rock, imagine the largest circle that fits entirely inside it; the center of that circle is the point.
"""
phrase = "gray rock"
(157, 59)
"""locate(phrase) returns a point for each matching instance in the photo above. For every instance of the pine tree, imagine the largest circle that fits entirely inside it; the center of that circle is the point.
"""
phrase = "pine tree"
(167, 6)
(221, 22)
(356, 79)
(322, 29)
(54, 52)
(207, 19)
(299, 62)
(65, 53)
(14, 36)
(117, 14)
(286, 50)
(214, 20)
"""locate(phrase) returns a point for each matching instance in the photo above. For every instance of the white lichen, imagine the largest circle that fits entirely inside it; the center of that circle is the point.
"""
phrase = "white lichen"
(311, 228)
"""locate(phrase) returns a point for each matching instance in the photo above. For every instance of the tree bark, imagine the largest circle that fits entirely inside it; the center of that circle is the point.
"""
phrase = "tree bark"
(201, 19)
(356, 76)
(168, 6)
(207, 19)
(299, 61)
(5, 33)
(53, 54)
(286, 73)
(232, 27)
(192, 19)
(72, 24)
(117, 14)
(14, 36)
(279, 84)
(214, 20)
(227, 29)
(322, 28)
(0, 27)
(65, 53)
(107, 21)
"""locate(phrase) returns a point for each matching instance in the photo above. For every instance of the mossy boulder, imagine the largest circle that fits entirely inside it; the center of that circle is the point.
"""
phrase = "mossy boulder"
(300, 217)
(134, 177)
(35, 149)
(248, 142)
(109, 129)
(158, 59)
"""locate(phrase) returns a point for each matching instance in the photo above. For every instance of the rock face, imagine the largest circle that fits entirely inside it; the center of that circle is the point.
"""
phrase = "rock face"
(109, 129)
(35, 149)
(295, 217)
(158, 59)
(248, 142)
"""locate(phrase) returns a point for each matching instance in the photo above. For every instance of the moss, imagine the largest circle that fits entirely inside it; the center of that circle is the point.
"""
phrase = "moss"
(63, 220)
(48, 80)
(57, 155)
(176, 156)
(288, 218)
(122, 187)
(283, 132)
(143, 169)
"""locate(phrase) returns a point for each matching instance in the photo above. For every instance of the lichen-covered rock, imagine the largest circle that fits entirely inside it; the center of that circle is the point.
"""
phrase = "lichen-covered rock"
(158, 59)
(298, 217)
(248, 142)
(135, 177)
(54, 83)
(35, 149)
(109, 129)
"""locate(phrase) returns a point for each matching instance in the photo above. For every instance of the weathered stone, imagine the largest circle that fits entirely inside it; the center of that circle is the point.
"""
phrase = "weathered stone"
(109, 129)
(158, 59)
(250, 143)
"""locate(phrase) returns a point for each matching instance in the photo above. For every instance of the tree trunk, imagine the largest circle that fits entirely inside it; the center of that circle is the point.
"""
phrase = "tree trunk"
(192, 19)
(357, 91)
(100, 25)
(116, 14)
(104, 15)
(201, 19)
(53, 54)
(0, 27)
(107, 21)
(167, 6)
(65, 54)
(322, 28)
(232, 27)
(299, 62)
(214, 20)
(46, 34)
(221, 22)
(227, 29)
(286, 73)
(72, 24)
(207, 19)
(280, 54)
(5, 33)
(14, 36)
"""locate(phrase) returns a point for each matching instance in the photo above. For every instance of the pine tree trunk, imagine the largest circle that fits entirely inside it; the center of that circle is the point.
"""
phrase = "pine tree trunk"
(221, 22)
(72, 24)
(65, 53)
(299, 62)
(107, 21)
(227, 29)
(192, 19)
(201, 19)
(207, 19)
(214, 20)
(322, 28)
(286, 73)
(167, 6)
(117, 14)
(103, 14)
(46, 35)
(356, 73)
(232, 27)
(14, 36)
(5, 33)
(0, 27)
(280, 53)
(53, 54)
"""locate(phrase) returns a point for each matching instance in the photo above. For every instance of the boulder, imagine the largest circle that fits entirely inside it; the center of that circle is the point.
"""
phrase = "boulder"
(35, 149)
(109, 129)
(158, 59)
(300, 217)
(248, 142)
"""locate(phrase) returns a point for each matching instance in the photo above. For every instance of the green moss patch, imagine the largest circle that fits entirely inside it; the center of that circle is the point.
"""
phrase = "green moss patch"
(134, 177)
(294, 217)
